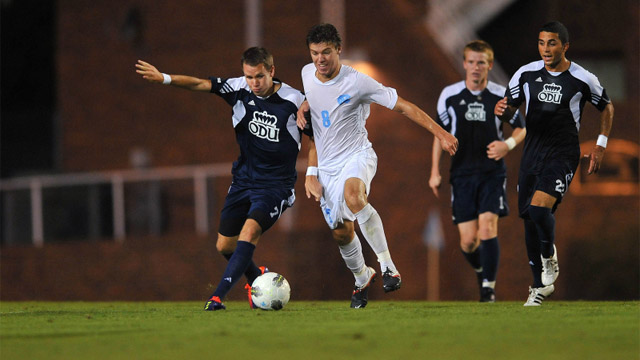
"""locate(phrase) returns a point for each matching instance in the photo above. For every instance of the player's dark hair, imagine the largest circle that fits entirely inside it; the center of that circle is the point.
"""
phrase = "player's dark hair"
(255, 56)
(558, 28)
(324, 33)
(481, 47)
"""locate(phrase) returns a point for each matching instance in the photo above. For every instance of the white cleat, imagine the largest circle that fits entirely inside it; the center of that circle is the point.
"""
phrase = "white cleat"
(550, 268)
(537, 295)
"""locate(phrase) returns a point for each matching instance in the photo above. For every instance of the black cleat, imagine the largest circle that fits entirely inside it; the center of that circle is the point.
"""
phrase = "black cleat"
(359, 297)
(487, 294)
(391, 280)
(214, 304)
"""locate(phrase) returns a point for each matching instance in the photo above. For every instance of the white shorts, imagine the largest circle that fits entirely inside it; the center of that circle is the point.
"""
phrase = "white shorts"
(361, 165)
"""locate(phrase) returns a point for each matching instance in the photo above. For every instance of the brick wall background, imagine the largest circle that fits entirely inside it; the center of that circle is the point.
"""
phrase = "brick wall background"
(106, 111)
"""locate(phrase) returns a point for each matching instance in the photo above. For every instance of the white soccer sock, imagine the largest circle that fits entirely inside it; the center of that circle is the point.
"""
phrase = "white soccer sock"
(353, 258)
(490, 284)
(371, 226)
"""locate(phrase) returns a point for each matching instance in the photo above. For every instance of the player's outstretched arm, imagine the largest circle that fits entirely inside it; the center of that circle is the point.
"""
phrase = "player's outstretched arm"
(311, 184)
(151, 74)
(436, 179)
(597, 153)
(448, 142)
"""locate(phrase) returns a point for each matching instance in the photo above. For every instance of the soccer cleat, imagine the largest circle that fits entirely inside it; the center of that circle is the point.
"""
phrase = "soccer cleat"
(537, 295)
(263, 269)
(251, 304)
(214, 304)
(359, 296)
(487, 294)
(391, 280)
(550, 268)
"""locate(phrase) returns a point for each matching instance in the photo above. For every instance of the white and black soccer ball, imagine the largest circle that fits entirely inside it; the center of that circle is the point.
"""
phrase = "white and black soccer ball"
(270, 291)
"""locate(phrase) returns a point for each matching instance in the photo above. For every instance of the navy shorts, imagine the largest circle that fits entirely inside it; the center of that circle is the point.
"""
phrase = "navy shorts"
(475, 194)
(262, 205)
(553, 178)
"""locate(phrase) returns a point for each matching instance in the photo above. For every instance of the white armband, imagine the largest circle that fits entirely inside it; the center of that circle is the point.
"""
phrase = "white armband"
(312, 171)
(166, 79)
(602, 141)
(511, 143)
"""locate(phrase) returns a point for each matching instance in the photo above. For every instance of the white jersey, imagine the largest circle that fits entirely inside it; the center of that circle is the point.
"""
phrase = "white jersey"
(339, 111)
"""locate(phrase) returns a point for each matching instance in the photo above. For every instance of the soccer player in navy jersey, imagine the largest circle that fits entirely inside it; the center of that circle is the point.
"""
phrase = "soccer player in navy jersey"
(342, 162)
(264, 118)
(555, 91)
(478, 173)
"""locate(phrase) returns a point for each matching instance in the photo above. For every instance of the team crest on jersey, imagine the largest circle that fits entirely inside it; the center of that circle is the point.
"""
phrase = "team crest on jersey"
(475, 112)
(551, 93)
(264, 126)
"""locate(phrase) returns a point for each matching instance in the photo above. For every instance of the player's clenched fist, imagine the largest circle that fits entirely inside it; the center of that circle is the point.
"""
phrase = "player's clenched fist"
(501, 107)
(448, 142)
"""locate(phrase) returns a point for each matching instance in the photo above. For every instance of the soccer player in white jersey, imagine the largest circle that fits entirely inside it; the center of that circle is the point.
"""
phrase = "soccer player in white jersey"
(555, 91)
(478, 174)
(264, 113)
(342, 163)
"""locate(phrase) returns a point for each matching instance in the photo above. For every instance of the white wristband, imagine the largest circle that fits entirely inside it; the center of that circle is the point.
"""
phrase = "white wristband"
(602, 141)
(167, 79)
(511, 143)
(312, 171)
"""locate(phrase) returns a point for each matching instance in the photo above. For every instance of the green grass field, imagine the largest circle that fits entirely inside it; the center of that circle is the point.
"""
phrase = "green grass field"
(320, 330)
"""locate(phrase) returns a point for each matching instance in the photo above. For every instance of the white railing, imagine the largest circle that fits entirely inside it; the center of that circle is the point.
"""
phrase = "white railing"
(117, 179)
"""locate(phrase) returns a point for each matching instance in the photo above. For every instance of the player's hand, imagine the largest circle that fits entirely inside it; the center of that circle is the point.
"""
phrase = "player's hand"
(149, 72)
(313, 187)
(434, 183)
(448, 142)
(595, 158)
(301, 120)
(497, 150)
(501, 107)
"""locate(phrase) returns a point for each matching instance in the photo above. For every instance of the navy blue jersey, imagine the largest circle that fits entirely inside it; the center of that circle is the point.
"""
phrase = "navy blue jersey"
(469, 117)
(266, 132)
(554, 103)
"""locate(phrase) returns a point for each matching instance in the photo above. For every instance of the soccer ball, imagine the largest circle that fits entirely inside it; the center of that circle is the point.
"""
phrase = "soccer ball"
(270, 291)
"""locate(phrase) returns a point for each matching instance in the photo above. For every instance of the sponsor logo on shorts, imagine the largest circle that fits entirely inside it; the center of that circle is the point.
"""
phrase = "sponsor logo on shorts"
(327, 212)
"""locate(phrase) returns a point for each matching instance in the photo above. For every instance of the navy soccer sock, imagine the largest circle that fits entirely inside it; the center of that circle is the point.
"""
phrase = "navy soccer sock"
(235, 268)
(473, 258)
(533, 251)
(545, 224)
(490, 256)
(252, 271)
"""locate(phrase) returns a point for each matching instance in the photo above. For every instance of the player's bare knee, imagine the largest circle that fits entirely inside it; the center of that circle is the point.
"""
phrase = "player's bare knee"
(342, 236)
(469, 244)
(225, 246)
(488, 231)
(487, 226)
(355, 201)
